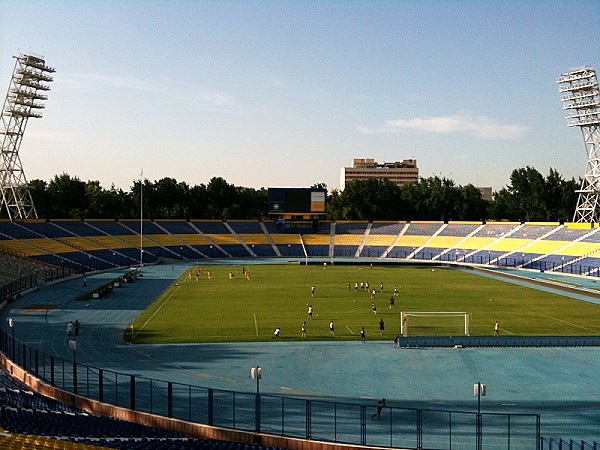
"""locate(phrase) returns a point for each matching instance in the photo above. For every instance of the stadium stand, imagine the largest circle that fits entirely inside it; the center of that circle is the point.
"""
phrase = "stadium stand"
(423, 229)
(210, 227)
(317, 244)
(391, 228)
(352, 228)
(32, 421)
(82, 246)
(497, 229)
(460, 229)
(12, 267)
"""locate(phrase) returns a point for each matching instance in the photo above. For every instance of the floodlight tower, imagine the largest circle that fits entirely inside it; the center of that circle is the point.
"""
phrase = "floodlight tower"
(22, 102)
(582, 99)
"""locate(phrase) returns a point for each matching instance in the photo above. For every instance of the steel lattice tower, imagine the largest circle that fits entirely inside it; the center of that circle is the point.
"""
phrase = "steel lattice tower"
(582, 99)
(22, 102)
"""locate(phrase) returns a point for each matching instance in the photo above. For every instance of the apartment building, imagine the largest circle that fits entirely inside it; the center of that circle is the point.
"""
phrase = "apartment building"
(399, 172)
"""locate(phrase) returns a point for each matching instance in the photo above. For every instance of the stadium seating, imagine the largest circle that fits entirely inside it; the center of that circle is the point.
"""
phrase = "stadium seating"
(32, 421)
(423, 229)
(92, 245)
(391, 228)
(82, 246)
(110, 228)
(352, 228)
(459, 229)
(496, 229)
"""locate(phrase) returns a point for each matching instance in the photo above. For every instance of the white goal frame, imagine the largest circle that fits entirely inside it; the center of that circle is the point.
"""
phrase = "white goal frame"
(404, 316)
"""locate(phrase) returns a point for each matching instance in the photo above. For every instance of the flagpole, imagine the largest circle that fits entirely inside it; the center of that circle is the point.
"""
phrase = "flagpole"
(141, 217)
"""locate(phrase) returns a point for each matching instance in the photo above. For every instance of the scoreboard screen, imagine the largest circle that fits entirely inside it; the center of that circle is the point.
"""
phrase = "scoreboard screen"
(296, 200)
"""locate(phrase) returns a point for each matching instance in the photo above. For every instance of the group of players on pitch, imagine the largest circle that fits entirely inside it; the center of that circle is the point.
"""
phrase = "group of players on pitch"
(364, 286)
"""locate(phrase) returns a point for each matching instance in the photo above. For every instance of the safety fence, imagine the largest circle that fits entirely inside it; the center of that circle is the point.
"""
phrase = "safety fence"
(568, 444)
(11, 291)
(498, 341)
(305, 418)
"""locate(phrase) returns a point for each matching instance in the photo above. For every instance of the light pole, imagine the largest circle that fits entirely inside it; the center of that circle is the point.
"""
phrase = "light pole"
(27, 91)
(73, 346)
(582, 101)
(256, 373)
(11, 324)
(479, 390)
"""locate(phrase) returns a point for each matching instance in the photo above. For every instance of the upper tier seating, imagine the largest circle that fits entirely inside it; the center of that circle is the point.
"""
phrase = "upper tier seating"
(422, 229)
(95, 244)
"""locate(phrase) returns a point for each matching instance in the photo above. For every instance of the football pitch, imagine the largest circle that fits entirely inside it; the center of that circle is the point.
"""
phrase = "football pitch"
(218, 303)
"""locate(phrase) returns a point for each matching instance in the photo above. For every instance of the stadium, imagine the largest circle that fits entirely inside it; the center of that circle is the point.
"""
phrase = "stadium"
(110, 271)
(296, 332)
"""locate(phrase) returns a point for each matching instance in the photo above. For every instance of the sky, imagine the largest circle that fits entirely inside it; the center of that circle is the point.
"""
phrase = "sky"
(286, 93)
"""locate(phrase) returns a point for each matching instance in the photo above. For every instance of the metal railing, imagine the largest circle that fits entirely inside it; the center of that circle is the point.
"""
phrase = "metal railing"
(568, 444)
(10, 291)
(305, 418)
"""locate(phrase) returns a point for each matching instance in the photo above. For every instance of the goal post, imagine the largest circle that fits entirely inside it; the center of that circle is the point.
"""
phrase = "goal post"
(435, 315)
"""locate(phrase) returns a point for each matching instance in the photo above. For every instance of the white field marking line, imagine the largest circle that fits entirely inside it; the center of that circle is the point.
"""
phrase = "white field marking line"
(158, 309)
(504, 330)
(347, 328)
(255, 324)
(354, 310)
(567, 322)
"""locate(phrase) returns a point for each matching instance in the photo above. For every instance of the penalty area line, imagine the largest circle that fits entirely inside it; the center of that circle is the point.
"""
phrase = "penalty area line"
(567, 322)
(156, 312)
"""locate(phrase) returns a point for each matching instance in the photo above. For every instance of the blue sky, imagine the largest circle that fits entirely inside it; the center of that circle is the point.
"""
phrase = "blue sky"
(285, 93)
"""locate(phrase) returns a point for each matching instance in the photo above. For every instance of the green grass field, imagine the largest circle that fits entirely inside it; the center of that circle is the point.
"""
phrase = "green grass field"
(221, 309)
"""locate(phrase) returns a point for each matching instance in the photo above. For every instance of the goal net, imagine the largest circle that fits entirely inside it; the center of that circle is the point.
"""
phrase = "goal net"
(434, 322)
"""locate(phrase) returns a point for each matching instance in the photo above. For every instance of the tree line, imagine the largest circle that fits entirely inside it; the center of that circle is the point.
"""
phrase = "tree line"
(530, 197)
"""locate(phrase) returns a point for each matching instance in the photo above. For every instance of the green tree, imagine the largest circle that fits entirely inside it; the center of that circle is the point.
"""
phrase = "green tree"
(220, 196)
(560, 197)
(67, 197)
(441, 199)
(528, 191)
(105, 204)
(371, 199)
(170, 198)
(197, 207)
(39, 196)
(472, 206)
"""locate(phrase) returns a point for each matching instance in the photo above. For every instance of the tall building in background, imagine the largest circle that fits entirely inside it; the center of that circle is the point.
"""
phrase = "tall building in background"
(399, 172)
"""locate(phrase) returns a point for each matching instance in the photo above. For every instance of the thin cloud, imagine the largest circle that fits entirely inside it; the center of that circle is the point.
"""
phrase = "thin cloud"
(57, 136)
(480, 126)
(186, 91)
(83, 80)
(216, 98)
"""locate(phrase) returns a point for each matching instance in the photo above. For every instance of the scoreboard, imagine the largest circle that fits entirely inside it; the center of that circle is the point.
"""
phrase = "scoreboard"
(297, 201)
